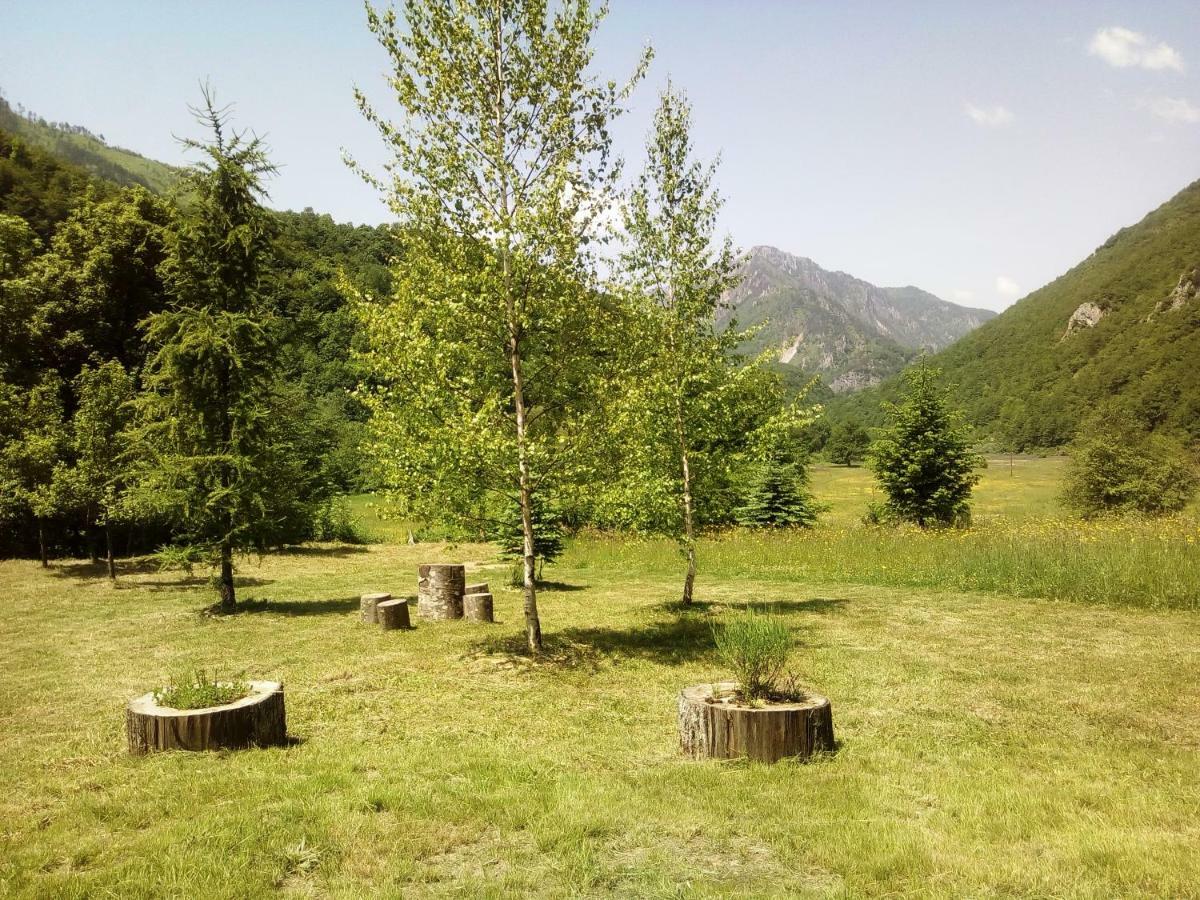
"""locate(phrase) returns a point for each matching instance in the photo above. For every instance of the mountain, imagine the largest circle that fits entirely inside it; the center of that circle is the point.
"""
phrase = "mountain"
(1122, 326)
(80, 147)
(847, 330)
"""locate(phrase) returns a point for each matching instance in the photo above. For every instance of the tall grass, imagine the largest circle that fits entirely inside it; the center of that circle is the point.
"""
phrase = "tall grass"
(1153, 564)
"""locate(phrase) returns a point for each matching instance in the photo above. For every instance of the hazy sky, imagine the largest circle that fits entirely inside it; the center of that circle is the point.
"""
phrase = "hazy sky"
(974, 149)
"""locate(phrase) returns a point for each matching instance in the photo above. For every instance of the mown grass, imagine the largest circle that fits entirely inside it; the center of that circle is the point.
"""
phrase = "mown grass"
(989, 745)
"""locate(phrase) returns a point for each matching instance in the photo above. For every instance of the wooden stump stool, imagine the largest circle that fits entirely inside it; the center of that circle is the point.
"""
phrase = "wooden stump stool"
(712, 726)
(392, 614)
(368, 604)
(440, 591)
(477, 607)
(480, 588)
(257, 720)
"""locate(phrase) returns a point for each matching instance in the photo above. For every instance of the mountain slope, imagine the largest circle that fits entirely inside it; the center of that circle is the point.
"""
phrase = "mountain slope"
(847, 330)
(1124, 325)
(78, 146)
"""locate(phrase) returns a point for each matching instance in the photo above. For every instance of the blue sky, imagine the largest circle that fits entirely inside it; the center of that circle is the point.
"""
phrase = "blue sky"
(975, 150)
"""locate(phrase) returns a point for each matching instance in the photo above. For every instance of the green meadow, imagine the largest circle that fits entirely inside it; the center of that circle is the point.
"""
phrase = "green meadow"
(1017, 708)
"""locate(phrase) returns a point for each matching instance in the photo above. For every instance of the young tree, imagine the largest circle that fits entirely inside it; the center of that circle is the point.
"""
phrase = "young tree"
(484, 358)
(205, 418)
(923, 458)
(848, 443)
(1116, 466)
(679, 272)
(96, 482)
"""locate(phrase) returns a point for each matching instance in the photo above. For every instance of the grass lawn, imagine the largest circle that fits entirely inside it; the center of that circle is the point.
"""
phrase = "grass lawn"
(990, 745)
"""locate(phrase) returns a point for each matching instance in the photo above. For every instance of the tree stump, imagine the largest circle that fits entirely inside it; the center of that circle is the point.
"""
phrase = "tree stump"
(369, 603)
(480, 588)
(257, 720)
(477, 607)
(712, 726)
(392, 614)
(440, 591)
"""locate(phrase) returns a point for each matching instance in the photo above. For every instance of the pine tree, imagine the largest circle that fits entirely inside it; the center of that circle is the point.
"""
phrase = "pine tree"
(923, 458)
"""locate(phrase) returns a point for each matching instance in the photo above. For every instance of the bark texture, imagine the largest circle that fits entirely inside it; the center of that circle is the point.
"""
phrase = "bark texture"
(392, 614)
(368, 605)
(254, 721)
(713, 728)
(440, 591)
(477, 607)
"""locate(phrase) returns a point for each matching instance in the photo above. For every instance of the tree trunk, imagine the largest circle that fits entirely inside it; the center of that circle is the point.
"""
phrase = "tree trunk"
(258, 720)
(392, 615)
(440, 591)
(689, 532)
(41, 530)
(713, 726)
(108, 547)
(228, 598)
(93, 550)
(533, 625)
(478, 607)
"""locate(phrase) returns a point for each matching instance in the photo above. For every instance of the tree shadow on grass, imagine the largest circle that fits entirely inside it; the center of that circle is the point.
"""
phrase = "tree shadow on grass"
(321, 607)
(558, 587)
(335, 551)
(709, 607)
(86, 571)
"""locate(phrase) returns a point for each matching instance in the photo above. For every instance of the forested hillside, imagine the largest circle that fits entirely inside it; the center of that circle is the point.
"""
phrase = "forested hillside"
(83, 263)
(90, 152)
(1122, 326)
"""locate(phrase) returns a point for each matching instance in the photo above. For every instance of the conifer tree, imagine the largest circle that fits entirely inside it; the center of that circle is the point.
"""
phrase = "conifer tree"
(923, 458)
(204, 418)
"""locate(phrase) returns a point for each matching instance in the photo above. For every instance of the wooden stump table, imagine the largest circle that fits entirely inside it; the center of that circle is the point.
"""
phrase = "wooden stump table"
(440, 591)
(713, 726)
(257, 720)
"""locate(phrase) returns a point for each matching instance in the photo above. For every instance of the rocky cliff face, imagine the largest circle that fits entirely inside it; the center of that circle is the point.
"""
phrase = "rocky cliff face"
(849, 331)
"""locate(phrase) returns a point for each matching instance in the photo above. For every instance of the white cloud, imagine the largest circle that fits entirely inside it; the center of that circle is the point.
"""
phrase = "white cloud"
(989, 116)
(1006, 287)
(1124, 48)
(1173, 109)
(961, 296)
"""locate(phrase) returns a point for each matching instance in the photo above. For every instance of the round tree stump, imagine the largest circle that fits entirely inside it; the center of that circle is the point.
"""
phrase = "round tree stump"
(440, 591)
(480, 588)
(392, 614)
(477, 607)
(257, 720)
(368, 604)
(712, 726)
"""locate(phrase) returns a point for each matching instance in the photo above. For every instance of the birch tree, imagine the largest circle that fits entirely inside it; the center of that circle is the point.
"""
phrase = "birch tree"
(680, 270)
(483, 360)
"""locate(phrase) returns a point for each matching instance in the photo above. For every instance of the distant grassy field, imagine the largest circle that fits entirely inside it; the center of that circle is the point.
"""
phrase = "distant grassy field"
(990, 745)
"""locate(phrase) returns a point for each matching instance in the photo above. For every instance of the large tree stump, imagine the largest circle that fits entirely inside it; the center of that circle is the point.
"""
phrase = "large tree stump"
(392, 614)
(256, 720)
(477, 607)
(368, 604)
(712, 726)
(480, 588)
(440, 591)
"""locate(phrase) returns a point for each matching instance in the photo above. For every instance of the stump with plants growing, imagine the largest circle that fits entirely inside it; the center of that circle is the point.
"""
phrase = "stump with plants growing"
(255, 720)
(440, 591)
(753, 716)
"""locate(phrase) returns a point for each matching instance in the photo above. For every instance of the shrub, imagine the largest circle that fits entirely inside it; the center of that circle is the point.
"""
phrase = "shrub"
(548, 536)
(1117, 467)
(333, 520)
(777, 495)
(181, 558)
(195, 688)
(847, 443)
(923, 459)
(756, 647)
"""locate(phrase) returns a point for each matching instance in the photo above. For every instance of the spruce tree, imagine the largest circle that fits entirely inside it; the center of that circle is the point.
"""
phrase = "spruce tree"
(209, 461)
(923, 458)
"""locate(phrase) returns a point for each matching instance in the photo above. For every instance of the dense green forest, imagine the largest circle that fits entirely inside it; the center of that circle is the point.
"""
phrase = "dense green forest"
(1121, 327)
(82, 264)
